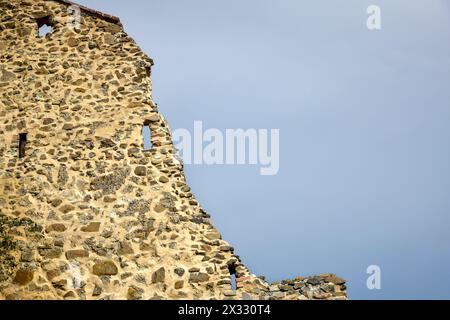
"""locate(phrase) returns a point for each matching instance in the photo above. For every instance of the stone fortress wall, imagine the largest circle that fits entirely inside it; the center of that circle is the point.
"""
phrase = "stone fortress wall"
(85, 211)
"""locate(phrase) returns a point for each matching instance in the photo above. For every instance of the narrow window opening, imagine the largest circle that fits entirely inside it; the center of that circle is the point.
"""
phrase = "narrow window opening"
(232, 271)
(22, 144)
(45, 26)
(148, 82)
(147, 136)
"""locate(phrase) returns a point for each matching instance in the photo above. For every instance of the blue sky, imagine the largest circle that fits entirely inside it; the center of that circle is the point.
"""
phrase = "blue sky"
(364, 130)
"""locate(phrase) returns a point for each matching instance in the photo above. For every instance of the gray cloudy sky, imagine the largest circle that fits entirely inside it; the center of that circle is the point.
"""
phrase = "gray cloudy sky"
(364, 123)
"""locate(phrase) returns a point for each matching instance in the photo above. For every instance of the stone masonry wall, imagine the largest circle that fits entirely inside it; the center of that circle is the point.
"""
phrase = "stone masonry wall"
(85, 211)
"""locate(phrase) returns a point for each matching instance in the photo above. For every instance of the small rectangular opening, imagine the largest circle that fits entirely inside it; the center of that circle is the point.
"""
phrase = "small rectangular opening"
(22, 144)
(232, 270)
(44, 26)
(147, 136)
(233, 282)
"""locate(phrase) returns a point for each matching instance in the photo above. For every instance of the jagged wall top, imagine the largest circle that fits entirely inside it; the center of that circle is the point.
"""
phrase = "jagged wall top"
(106, 17)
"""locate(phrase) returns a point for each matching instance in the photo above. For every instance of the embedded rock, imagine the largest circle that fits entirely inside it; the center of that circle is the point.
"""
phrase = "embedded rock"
(105, 268)
(23, 276)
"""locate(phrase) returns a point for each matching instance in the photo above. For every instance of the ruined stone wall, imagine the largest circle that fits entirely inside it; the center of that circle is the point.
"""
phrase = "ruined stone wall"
(85, 211)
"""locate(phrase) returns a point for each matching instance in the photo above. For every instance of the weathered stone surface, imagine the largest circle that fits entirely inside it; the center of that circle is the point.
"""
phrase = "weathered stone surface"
(56, 202)
(111, 182)
(109, 199)
(23, 276)
(134, 293)
(66, 208)
(179, 271)
(74, 254)
(179, 285)
(27, 255)
(313, 281)
(47, 121)
(6, 76)
(68, 126)
(198, 277)
(138, 207)
(213, 236)
(159, 275)
(56, 227)
(105, 268)
(152, 118)
(60, 284)
(334, 279)
(125, 248)
(91, 227)
(140, 171)
(62, 175)
(229, 293)
(97, 291)
(285, 288)
(73, 42)
(51, 252)
(163, 179)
